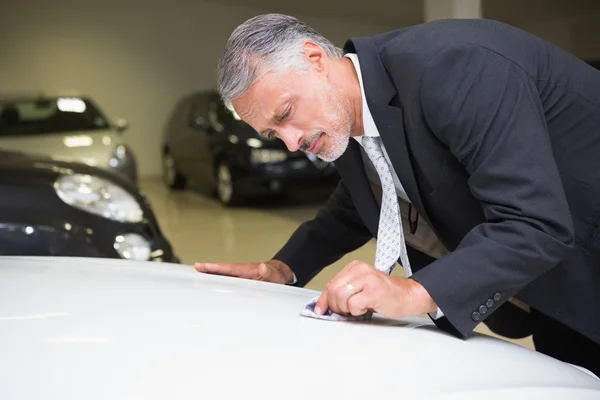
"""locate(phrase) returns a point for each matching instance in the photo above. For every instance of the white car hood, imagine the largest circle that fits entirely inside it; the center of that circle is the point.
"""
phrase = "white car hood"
(74, 328)
(94, 148)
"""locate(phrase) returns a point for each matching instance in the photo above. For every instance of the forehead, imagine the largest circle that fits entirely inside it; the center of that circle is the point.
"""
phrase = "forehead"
(266, 96)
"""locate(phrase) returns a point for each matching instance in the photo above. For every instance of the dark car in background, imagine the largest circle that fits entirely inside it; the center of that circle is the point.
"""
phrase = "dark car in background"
(58, 208)
(206, 142)
(65, 128)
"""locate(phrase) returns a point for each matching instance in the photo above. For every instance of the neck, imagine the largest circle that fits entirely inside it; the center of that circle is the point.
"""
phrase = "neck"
(350, 85)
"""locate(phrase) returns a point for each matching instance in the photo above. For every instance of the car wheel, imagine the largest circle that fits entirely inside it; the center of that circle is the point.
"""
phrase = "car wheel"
(172, 178)
(227, 192)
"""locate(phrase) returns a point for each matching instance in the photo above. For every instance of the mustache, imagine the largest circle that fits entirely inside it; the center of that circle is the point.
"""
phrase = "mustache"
(306, 144)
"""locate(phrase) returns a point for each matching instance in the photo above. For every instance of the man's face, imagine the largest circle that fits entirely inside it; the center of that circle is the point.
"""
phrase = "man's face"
(302, 108)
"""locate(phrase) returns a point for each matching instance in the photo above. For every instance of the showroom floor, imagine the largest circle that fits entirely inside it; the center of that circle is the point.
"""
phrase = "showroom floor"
(200, 229)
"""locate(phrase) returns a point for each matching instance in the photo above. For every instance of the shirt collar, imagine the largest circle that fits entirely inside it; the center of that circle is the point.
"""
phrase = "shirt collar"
(368, 122)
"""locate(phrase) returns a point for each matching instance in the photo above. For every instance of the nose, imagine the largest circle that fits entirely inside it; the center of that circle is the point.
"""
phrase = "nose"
(292, 137)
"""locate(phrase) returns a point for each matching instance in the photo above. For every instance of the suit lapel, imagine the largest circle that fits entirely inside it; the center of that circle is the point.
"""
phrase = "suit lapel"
(350, 167)
(380, 90)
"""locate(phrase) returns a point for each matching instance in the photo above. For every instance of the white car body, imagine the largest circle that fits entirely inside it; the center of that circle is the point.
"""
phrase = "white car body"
(73, 329)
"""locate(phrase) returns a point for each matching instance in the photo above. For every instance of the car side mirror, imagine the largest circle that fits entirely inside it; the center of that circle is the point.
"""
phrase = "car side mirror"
(121, 125)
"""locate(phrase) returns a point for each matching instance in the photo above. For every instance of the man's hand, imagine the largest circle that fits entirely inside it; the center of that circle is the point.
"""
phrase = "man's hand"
(375, 291)
(270, 271)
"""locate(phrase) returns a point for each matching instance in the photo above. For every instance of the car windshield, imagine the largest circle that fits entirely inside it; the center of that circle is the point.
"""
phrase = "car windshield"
(49, 115)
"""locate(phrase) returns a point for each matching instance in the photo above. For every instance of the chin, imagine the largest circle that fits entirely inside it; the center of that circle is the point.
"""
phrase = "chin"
(335, 151)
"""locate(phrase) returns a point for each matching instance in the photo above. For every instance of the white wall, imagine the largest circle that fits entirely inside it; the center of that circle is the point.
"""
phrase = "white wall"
(135, 58)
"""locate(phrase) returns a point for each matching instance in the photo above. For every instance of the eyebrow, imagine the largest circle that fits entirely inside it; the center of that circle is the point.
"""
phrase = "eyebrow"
(277, 115)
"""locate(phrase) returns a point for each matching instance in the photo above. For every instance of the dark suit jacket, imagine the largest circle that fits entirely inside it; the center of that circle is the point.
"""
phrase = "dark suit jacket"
(495, 135)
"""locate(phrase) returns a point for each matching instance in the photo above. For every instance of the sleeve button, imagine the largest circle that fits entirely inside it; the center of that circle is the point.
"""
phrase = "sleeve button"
(497, 297)
(483, 309)
(489, 303)
(475, 316)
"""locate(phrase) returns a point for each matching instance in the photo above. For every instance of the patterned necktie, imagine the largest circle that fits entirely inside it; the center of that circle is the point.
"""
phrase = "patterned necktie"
(390, 236)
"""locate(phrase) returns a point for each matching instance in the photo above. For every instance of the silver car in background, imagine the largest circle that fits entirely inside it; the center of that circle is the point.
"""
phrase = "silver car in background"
(65, 128)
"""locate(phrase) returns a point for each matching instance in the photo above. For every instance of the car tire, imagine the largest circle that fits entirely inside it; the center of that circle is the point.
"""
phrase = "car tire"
(226, 188)
(172, 178)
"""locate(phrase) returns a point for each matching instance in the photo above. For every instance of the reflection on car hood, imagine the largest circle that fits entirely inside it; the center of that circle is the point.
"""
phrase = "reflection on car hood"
(92, 148)
(74, 328)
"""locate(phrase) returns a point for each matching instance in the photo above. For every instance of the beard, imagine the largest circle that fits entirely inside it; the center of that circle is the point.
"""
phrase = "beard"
(338, 133)
(336, 145)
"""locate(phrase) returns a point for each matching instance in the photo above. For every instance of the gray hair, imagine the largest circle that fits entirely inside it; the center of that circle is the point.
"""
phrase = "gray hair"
(263, 43)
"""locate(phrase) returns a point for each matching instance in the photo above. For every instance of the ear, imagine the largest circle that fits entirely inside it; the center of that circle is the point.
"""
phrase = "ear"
(315, 56)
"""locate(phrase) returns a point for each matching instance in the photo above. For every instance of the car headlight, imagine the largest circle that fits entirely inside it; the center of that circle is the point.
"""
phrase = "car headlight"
(132, 246)
(258, 156)
(98, 196)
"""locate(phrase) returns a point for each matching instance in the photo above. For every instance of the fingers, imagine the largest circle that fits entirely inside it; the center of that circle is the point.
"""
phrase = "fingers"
(212, 268)
(343, 293)
(255, 271)
(269, 274)
(238, 270)
(342, 287)
(359, 304)
(347, 299)
(345, 275)
(322, 304)
(205, 267)
(348, 284)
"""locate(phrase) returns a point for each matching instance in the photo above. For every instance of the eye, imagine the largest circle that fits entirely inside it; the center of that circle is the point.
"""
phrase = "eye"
(286, 114)
(270, 134)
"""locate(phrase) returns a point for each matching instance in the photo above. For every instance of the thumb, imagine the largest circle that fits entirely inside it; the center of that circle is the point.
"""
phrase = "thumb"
(270, 273)
(265, 272)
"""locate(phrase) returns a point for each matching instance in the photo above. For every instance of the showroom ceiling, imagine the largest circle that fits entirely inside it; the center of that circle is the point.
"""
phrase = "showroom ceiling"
(407, 12)
(389, 12)
(532, 10)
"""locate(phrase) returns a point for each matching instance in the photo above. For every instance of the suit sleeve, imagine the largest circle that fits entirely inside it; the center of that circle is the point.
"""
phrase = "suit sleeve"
(337, 229)
(488, 113)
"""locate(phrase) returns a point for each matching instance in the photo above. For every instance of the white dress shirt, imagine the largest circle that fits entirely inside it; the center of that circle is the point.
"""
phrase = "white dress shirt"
(370, 129)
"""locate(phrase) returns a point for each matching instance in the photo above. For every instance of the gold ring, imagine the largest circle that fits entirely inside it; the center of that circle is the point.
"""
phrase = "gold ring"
(350, 289)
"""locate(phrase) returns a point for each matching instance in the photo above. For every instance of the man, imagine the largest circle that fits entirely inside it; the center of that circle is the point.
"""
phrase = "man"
(492, 135)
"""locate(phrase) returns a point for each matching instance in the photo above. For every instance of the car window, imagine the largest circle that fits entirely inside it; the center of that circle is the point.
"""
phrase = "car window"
(61, 114)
